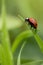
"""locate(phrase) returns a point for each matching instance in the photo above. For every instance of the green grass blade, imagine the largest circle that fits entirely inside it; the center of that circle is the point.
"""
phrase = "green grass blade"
(39, 41)
(35, 62)
(5, 39)
(19, 38)
(26, 60)
(3, 11)
(19, 56)
(6, 45)
(2, 56)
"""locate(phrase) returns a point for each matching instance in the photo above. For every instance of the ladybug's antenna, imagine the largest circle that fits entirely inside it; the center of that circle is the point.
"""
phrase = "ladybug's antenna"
(23, 19)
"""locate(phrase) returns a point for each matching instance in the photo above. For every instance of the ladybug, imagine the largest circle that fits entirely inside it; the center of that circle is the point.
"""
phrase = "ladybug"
(32, 22)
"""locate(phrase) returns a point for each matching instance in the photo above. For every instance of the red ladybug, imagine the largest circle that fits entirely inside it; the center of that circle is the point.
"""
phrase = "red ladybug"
(32, 22)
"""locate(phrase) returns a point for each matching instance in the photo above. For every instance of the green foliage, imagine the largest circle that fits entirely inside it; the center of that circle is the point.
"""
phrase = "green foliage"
(37, 62)
(19, 38)
(6, 51)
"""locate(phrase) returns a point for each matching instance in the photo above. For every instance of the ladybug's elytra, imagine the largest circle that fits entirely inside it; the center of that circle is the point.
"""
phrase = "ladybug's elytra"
(32, 22)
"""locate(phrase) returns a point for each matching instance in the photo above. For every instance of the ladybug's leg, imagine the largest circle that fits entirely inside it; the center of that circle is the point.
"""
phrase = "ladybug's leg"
(32, 26)
(27, 23)
(36, 30)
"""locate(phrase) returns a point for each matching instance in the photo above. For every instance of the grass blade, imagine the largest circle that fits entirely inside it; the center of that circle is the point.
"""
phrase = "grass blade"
(20, 37)
(6, 45)
(35, 62)
(39, 41)
(5, 39)
(2, 56)
(18, 60)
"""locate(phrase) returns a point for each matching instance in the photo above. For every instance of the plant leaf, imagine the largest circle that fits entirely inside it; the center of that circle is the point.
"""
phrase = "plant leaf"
(2, 56)
(39, 41)
(19, 55)
(6, 45)
(35, 62)
(20, 37)
(5, 39)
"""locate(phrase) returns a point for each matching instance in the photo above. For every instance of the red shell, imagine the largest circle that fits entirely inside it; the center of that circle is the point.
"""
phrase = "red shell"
(33, 21)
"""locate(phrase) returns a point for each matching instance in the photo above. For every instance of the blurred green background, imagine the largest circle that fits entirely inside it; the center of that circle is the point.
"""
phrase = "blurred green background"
(24, 8)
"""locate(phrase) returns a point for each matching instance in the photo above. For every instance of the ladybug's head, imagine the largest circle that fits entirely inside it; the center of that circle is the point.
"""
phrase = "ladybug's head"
(27, 19)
